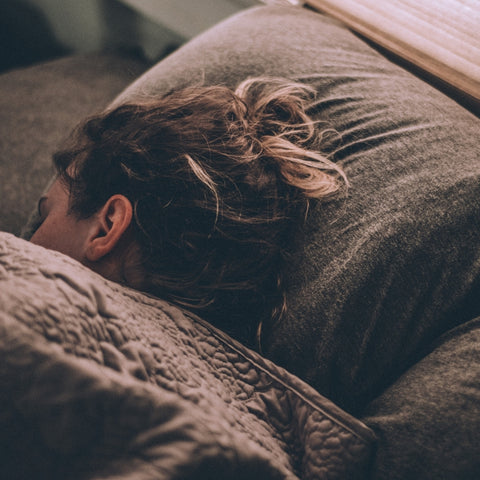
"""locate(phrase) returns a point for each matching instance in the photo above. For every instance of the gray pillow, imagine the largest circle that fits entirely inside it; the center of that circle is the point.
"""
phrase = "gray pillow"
(379, 274)
(428, 422)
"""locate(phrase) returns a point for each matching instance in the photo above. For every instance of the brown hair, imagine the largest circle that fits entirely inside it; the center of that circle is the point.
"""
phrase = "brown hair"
(218, 180)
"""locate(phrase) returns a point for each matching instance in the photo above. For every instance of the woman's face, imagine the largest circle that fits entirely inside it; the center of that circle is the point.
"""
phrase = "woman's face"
(61, 230)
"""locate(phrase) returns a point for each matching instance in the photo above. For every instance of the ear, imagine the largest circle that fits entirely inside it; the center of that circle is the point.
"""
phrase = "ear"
(111, 223)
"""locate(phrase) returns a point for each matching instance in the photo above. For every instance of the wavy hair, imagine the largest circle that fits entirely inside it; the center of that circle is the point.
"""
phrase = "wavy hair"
(218, 180)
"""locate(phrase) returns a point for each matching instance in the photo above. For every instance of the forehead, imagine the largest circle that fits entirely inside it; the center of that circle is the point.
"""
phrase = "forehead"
(56, 195)
(57, 188)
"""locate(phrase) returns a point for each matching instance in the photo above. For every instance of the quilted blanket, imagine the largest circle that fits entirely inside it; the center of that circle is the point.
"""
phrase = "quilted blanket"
(100, 381)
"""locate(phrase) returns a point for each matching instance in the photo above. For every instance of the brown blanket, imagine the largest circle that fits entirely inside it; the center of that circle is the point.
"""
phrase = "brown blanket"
(100, 381)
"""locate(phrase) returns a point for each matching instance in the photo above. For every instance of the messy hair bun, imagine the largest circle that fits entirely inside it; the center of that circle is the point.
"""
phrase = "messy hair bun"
(218, 180)
(276, 114)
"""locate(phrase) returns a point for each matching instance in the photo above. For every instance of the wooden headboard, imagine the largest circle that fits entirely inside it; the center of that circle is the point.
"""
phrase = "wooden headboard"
(439, 37)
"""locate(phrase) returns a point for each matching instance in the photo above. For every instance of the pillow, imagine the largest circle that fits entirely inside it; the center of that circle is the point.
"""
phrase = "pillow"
(98, 380)
(428, 421)
(378, 275)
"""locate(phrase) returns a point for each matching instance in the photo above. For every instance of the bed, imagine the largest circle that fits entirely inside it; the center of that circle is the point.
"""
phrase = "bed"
(374, 372)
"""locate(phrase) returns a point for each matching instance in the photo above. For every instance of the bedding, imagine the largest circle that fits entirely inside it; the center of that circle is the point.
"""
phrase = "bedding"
(384, 282)
(100, 381)
(378, 275)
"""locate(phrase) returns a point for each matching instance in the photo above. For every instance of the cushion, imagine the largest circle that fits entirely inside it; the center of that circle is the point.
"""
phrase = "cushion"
(381, 273)
(428, 421)
(100, 381)
(39, 106)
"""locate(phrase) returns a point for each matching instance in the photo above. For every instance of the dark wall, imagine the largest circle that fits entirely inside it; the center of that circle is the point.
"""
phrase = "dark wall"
(25, 36)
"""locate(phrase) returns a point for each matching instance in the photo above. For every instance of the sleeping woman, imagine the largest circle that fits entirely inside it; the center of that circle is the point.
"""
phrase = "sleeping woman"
(194, 197)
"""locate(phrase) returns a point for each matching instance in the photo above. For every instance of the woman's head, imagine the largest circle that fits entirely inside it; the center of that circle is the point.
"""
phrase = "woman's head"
(207, 185)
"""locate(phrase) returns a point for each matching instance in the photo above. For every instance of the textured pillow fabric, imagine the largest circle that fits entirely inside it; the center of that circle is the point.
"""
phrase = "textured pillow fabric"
(100, 381)
(381, 273)
(39, 105)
